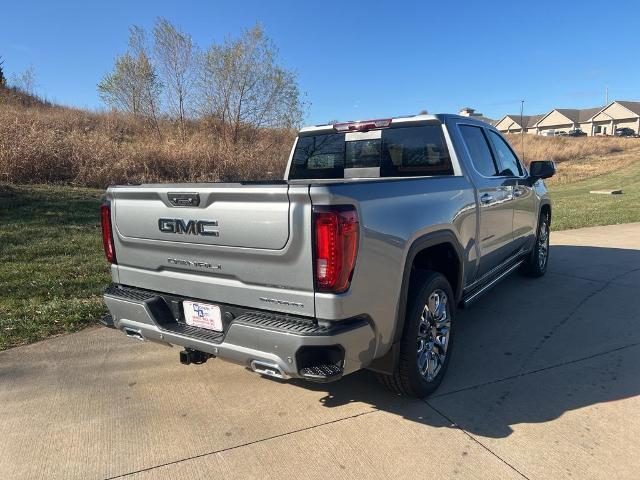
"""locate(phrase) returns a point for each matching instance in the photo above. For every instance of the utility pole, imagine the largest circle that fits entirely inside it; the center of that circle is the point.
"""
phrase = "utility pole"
(606, 95)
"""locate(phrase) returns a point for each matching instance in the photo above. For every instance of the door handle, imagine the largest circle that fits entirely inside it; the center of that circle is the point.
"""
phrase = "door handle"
(486, 198)
(517, 192)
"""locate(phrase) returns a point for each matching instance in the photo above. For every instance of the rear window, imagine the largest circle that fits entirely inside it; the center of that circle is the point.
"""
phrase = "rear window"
(398, 152)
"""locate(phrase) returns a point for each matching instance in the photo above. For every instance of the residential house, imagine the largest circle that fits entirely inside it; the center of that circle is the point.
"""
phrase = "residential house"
(618, 114)
(592, 121)
(565, 119)
(515, 123)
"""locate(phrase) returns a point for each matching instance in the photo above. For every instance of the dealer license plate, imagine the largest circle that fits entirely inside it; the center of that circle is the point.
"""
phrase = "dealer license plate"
(202, 315)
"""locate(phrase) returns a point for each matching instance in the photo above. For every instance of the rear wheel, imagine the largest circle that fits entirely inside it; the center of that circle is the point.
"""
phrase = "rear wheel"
(425, 348)
(536, 263)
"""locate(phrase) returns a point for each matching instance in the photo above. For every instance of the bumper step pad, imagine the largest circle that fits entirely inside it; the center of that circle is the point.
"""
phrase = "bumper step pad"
(276, 322)
(322, 373)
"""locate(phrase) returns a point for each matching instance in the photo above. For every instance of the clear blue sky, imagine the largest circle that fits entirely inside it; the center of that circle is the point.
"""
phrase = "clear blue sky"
(360, 59)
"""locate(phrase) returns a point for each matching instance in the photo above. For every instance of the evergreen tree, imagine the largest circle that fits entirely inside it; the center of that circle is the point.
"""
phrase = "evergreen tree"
(3, 80)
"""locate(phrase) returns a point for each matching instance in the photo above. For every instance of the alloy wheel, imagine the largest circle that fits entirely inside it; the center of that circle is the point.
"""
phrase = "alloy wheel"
(433, 335)
(543, 245)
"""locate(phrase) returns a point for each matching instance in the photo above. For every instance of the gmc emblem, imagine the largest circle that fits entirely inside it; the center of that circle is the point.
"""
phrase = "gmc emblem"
(188, 227)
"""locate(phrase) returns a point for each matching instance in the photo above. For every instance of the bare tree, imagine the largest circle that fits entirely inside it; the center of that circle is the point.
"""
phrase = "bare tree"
(176, 57)
(25, 81)
(244, 88)
(133, 86)
(120, 88)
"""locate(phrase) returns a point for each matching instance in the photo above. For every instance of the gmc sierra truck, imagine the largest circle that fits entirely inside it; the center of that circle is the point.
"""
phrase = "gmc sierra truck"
(359, 258)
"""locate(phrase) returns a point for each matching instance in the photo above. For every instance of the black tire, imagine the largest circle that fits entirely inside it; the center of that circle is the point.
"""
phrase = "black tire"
(536, 263)
(407, 378)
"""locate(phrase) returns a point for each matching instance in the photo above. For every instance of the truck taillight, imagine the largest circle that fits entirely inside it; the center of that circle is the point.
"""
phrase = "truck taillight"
(335, 248)
(107, 233)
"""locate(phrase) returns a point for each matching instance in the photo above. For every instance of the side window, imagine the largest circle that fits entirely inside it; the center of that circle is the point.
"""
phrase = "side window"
(508, 164)
(479, 150)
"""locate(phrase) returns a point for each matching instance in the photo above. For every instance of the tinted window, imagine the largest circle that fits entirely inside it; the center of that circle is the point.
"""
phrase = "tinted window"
(479, 150)
(508, 164)
(363, 153)
(414, 151)
(399, 152)
(319, 156)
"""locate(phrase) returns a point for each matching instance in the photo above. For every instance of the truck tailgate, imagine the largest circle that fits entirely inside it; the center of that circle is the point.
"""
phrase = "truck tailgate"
(235, 216)
(247, 245)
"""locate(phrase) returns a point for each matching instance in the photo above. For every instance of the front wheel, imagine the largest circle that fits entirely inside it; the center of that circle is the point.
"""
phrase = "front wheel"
(425, 348)
(536, 263)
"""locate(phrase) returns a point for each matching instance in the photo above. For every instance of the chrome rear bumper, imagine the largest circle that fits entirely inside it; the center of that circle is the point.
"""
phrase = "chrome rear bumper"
(250, 336)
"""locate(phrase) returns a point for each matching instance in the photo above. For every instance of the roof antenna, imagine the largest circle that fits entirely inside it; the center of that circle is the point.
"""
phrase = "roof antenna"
(522, 127)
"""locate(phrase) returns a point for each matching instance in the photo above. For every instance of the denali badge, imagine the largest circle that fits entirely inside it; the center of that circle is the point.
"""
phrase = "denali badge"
(188, 227)
(281, 302)
(193, 263)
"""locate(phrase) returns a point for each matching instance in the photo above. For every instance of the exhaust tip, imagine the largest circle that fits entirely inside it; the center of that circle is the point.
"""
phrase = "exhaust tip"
(268, 369)
(133, 333)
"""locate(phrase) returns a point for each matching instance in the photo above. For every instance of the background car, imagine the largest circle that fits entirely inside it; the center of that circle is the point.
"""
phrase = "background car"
(560, 133)
(624, 132)
(576, 133)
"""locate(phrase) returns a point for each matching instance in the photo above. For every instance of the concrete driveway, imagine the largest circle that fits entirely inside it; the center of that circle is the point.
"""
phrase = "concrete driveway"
(544, 383)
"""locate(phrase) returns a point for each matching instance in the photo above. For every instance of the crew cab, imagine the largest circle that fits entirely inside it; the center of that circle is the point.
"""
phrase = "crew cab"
(358, 258)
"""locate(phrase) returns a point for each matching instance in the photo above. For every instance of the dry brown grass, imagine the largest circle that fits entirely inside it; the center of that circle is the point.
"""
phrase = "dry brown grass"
(562, 149)
(580, 157)
(40, 143)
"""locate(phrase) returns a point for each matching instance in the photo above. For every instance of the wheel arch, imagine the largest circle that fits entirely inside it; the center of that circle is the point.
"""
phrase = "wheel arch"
(421, 255)
(545, 207)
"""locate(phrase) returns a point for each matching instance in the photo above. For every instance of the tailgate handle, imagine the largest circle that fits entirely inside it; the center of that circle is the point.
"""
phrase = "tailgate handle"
(184, 199)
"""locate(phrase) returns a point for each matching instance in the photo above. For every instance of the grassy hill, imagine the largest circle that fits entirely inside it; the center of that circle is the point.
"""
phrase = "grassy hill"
(45, 143)
(586, 164)
(578, 158)
(575, 207)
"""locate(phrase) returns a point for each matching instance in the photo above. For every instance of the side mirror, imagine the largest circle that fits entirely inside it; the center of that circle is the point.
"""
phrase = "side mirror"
(541, 169)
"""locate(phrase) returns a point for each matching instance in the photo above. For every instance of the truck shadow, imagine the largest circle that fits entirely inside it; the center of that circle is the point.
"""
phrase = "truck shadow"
(531, 349)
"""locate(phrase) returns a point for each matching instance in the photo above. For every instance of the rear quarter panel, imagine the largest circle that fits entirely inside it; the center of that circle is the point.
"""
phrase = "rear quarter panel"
(393, 214)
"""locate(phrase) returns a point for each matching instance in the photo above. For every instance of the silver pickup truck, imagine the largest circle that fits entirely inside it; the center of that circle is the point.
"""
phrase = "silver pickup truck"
(357, 259)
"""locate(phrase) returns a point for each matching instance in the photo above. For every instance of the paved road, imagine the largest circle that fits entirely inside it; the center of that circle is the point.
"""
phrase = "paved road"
(544, 384)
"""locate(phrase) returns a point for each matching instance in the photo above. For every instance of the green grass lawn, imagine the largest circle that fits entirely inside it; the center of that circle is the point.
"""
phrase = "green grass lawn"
(53, 271)
(52, 266)
(574, 206)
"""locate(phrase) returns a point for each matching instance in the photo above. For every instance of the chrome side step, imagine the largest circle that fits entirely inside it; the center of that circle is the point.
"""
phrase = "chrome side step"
(322, 373)
(476, 294)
